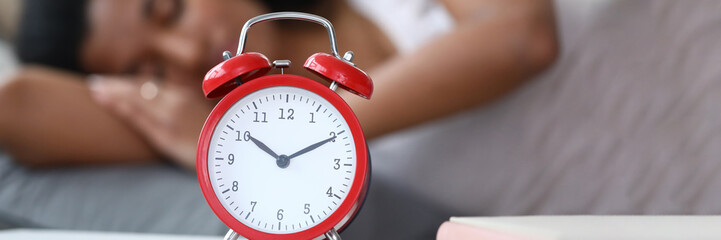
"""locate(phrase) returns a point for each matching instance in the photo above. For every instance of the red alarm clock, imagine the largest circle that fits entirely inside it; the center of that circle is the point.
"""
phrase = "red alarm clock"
(282, 156)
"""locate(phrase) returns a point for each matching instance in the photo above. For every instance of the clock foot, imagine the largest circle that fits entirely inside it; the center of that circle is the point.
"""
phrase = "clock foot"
(332, 235)
(232, 235)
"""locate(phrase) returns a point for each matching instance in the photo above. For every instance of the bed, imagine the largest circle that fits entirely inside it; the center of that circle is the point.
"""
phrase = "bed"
(626, 122)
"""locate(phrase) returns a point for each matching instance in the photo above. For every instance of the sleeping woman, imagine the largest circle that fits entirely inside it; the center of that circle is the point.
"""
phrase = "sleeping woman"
(82, 98)
(78, 99)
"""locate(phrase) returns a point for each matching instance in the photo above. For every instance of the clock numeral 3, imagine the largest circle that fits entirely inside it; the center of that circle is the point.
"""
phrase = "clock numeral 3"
(337, 164)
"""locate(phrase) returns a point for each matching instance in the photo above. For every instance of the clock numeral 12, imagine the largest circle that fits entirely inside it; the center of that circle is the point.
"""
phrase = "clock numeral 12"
(290, 114)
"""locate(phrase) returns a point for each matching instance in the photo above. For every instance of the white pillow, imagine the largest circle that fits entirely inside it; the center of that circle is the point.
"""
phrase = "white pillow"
(8, 62)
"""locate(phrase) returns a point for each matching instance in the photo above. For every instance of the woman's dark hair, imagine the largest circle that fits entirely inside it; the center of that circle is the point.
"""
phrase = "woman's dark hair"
(51, 31)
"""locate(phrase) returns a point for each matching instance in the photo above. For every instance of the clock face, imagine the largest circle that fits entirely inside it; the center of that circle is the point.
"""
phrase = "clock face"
(281, 159)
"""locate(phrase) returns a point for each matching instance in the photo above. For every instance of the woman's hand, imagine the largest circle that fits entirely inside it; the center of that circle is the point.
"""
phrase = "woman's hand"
(170, 114)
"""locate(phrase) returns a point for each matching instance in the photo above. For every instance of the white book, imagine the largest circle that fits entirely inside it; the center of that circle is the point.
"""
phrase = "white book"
(585, 227)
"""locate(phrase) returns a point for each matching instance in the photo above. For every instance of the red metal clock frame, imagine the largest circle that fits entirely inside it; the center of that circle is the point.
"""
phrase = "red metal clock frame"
(356, 195)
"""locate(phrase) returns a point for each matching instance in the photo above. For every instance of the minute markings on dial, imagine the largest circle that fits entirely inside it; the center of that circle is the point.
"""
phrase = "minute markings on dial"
(275, 135)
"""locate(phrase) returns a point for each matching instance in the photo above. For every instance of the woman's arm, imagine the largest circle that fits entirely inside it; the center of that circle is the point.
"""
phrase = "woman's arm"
(47, 117)
(495, 46)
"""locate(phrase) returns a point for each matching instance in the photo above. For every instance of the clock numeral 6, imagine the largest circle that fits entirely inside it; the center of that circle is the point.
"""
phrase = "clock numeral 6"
(306, 208)
(246, 136)
(290, 114)
(280, 214)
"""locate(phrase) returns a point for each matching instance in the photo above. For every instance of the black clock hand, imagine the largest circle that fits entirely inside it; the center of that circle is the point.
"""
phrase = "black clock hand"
(311, 147)
(263, 147)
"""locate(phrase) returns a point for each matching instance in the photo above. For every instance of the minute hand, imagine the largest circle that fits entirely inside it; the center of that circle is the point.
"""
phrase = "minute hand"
(311, 147)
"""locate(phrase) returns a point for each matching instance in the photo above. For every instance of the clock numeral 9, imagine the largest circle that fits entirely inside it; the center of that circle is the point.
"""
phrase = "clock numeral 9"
(290, 114)
(246, 136)
(306, 208)
(231, 159)
(280, 214)
(337, 163)
(235, 186)
(264, 117)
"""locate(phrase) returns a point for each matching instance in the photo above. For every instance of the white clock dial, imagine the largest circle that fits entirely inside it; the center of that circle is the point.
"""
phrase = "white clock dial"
(281, 159)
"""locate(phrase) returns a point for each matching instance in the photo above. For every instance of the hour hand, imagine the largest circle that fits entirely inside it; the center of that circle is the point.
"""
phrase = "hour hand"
(263, 147)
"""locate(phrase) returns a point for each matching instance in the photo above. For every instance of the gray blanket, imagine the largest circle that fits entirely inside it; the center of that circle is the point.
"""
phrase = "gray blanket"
(166, 199)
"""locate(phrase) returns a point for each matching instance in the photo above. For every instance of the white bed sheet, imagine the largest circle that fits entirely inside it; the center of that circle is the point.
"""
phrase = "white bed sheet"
(8, 63)
(628, 121)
